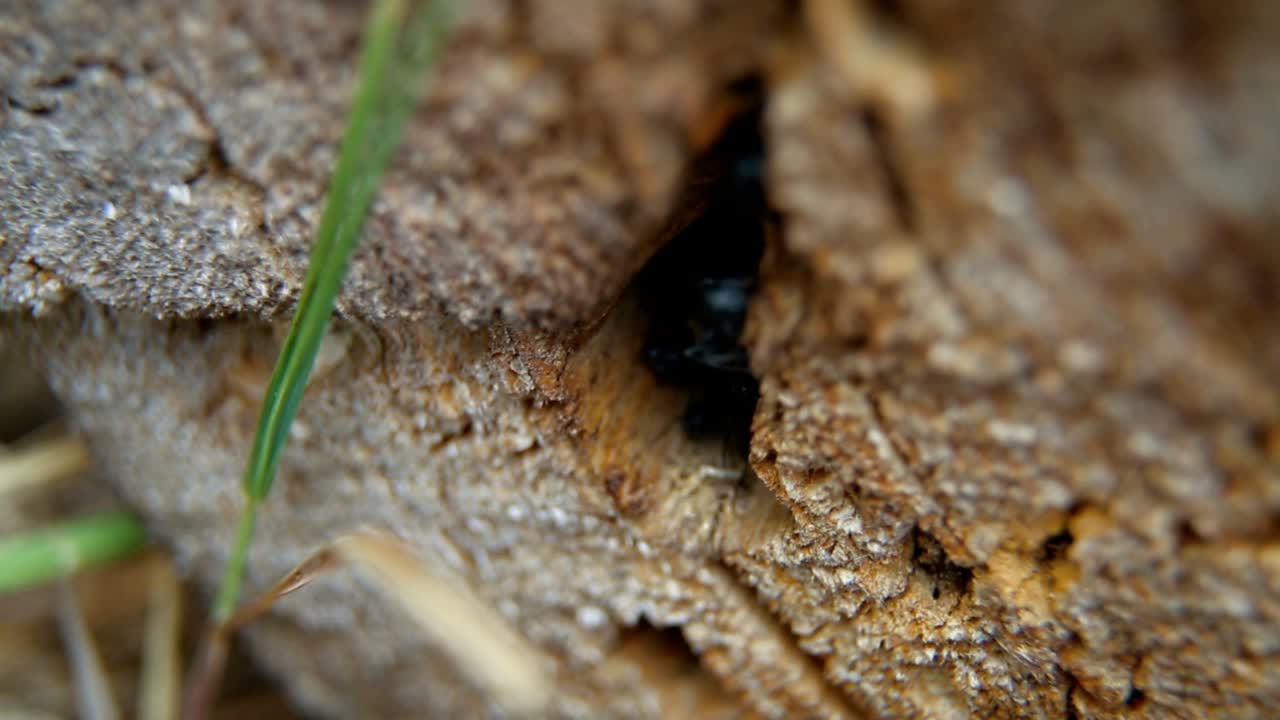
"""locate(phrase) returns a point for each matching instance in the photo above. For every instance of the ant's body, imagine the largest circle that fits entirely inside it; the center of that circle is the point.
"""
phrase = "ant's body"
(696, 290)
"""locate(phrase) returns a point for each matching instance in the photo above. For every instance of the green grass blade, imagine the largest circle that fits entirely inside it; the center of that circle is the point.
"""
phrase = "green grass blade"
(402, 39)
(41, 555)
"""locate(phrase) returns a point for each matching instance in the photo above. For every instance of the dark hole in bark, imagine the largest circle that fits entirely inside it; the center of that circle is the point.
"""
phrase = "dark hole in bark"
(669, 642)
(1136, 698)
(929, 557)
(1055, 546)
(38, 110)
(697, 287)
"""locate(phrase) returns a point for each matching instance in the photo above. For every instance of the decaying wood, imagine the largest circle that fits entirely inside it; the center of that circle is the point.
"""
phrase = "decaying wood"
(1018, 447)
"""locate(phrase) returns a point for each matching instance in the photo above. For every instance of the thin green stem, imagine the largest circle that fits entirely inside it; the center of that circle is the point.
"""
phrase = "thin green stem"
(233, 576)
(402, 39)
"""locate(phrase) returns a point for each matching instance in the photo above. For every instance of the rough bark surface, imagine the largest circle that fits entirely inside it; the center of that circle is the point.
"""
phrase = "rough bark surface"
(1018, 447)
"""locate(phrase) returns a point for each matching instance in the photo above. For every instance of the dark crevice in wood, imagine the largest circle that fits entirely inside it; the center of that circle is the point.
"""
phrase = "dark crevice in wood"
(1055, 546)
(696, 289)
(1069, 711)
(928, 556)
(668, 641)
(1136, 699)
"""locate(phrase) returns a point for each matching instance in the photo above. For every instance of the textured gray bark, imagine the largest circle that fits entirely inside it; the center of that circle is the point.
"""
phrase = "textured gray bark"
(1018, 450)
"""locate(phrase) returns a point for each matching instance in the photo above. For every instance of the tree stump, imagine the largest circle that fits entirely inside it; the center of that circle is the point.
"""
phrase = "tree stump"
(1017, 333)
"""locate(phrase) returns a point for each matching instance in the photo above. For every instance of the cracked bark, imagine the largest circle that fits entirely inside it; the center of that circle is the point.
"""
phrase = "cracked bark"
(1018, 443)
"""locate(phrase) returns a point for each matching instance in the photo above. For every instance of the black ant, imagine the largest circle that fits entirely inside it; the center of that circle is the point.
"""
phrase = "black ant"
(696, 291)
